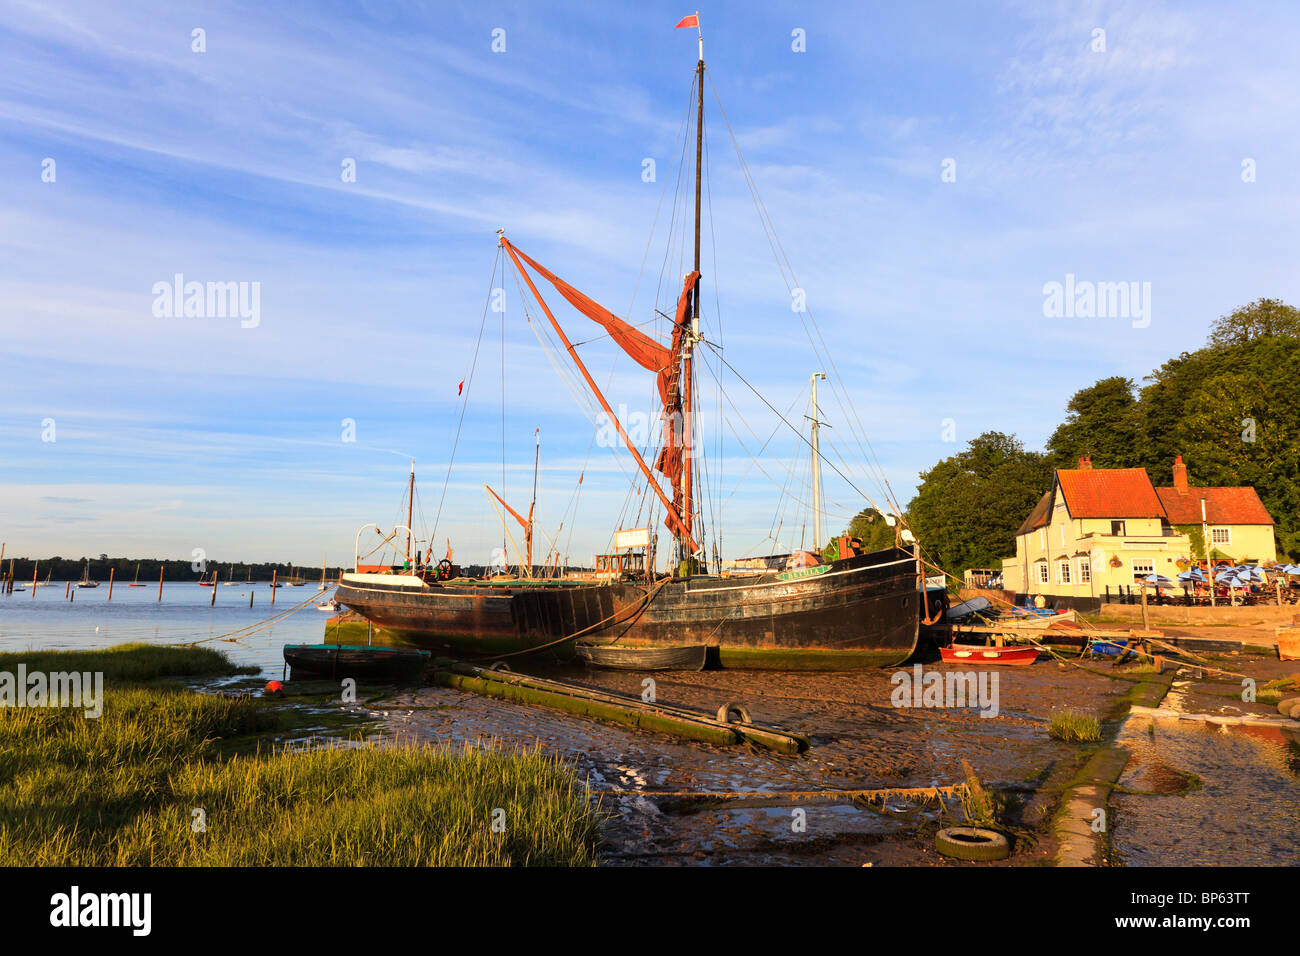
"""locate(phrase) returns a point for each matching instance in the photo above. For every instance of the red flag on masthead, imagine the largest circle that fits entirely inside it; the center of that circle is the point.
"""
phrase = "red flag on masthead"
(461, 387)
(692, 21)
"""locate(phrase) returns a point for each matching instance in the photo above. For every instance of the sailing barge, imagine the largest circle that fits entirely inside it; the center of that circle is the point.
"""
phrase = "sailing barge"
(861, 610)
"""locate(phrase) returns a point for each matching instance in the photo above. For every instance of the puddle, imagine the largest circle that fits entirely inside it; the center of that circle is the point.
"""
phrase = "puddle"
(1245, 811)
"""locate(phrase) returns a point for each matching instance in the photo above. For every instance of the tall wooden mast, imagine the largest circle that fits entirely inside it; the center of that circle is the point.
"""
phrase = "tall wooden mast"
(691, 335)
(410, 504)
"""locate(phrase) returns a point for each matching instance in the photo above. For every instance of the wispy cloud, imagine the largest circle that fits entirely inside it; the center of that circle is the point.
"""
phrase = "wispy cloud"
(228, 165)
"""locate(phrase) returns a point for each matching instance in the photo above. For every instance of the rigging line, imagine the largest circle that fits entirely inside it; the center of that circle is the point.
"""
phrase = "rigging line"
(583, 400)
(839, 508)
(763, 448)
(610, 335)
(717, 305)
(788, 469)
(774, 242)
(503, 403)
(802, 438)
(469, 382)
(659, 207)
(677, 195)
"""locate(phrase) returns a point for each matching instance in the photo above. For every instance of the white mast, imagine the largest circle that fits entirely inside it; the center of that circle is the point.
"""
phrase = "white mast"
(816, 464)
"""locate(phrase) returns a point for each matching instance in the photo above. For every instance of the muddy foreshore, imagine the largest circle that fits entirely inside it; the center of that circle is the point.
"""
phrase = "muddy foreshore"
(859, 741)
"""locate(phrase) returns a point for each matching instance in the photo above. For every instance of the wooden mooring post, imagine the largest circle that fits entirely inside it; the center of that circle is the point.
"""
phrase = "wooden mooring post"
(215, 574)
(111, 573)
(274, 572)
(160, 577)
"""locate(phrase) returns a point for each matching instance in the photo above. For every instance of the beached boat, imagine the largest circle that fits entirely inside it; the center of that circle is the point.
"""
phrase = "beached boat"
(359, 661)
(691, 657)
(859, 610)
(1037, 621)
(981, 654)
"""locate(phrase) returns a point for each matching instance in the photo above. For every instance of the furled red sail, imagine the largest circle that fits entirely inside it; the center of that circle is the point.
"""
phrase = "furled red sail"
(653, 357)
(669, 462)
(645, 351)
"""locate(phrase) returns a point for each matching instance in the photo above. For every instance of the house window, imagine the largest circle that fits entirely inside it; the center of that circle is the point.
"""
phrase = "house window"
(1221, 535)
(1042, 539)
(1085, 571)
(1117, 528)
(1042, 572)
(1063, 571)
(1062, 527)
(1142, 567)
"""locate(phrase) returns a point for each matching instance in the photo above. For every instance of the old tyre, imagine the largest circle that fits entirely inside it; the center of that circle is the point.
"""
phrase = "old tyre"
(1289, 707)
(972, 843)
(730, 708)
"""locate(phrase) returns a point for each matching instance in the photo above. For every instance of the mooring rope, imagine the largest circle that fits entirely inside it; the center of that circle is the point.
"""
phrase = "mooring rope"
(249, 630)
(647, 596)
(907, 793)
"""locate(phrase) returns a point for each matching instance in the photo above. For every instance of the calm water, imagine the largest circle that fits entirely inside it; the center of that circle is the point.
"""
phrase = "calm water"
(46, 619)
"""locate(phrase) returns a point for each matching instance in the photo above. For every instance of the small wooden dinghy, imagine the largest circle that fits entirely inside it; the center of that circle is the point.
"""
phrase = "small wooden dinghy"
(353, 660)
(979, 654)
(628, 658)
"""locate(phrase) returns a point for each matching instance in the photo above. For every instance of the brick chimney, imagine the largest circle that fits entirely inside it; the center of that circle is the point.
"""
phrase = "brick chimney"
(1180, 475)
(1085, 462)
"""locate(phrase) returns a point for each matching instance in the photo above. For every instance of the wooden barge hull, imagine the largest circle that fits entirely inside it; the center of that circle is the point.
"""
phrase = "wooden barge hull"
(863, 611)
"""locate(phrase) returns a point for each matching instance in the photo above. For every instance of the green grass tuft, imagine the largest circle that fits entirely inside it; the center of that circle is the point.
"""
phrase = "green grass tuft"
(1073, 727)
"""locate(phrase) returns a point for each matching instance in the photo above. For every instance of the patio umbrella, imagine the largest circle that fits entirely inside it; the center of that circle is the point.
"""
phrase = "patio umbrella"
(1159, 580)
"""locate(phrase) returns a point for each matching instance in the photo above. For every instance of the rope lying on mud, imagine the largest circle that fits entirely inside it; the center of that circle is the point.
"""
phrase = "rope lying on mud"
(924, 794)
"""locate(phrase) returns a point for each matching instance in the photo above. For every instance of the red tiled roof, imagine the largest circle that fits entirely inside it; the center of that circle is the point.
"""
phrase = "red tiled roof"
(1109, 493)
(1222, 506)
(1038, 517)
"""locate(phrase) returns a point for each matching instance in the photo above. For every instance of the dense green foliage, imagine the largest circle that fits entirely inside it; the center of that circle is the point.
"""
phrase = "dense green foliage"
(969, 506)
(1231, 409)
(1099, 423)
(72, 569)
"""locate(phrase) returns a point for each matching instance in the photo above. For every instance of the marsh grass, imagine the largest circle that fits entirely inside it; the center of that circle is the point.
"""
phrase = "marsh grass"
(1073, 727)
(121, 789)
(130, 662)
(1273, 691)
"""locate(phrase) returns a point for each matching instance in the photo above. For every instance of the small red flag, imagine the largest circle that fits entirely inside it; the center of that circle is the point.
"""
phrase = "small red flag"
(692, 21)
(461, 387)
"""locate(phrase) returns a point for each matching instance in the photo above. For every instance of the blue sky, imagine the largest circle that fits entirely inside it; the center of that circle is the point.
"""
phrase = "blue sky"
(180, 433)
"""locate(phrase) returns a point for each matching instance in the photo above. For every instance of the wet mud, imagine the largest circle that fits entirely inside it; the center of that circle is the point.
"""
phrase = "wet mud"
(655, 789)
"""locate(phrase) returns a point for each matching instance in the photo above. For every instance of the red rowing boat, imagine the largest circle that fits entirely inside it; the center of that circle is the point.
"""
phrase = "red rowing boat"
(980, 654)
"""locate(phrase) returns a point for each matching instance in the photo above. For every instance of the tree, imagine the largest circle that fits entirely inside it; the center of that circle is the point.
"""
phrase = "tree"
(968, 507)
(1102, 423)
(1263, 318)
(1232, 410)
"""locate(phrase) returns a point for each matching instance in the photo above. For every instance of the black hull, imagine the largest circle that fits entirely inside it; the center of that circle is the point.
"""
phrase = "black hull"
(621, 657)
(368, 663)
(862, 611)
